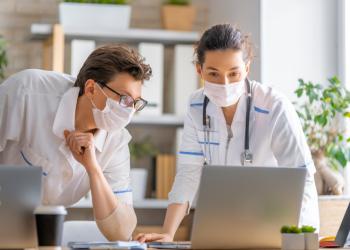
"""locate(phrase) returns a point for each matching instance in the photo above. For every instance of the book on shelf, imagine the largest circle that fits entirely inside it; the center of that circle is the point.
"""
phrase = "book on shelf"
(80, 50)
(165, 174)
(185, 78)
(152, 90)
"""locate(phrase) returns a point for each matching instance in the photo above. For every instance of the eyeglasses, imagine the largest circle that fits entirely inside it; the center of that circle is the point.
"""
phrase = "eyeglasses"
(126, 100)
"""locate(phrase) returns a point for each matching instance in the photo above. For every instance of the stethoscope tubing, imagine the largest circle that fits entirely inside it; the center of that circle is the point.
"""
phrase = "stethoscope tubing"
(206, 128)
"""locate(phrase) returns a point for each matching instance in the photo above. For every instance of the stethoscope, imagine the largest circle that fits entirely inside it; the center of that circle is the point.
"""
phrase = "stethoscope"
(246, 155)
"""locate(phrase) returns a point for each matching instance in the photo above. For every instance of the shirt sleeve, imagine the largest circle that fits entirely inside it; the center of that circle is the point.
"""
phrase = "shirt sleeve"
(190, 161)
(290, 148)
(288, 141)
(12, 111)
(117, 172)
(120, 224)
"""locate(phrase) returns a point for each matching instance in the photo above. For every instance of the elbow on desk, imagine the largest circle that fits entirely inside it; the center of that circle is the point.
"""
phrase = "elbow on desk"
(119, 225)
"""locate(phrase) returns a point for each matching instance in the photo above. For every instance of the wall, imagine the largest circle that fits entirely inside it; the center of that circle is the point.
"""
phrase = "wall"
(16, 16)
(299, 40)
(246, 15)
(15, 19)
(293, 39)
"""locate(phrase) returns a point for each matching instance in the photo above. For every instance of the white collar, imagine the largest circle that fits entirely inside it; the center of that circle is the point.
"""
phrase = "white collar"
(65, 118)
(215, 111)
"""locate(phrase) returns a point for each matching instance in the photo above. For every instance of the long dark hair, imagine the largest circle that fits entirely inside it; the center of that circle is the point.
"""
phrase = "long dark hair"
(222, 37)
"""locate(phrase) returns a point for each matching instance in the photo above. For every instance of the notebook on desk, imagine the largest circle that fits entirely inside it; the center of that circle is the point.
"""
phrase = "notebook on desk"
(132, 245)
(170, 245)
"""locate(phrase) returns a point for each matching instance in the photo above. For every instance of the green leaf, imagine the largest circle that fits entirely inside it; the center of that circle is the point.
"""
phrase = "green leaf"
(308, 229)
(295, 230)
(341, 158)
(299, 92)
(301, 82)
(334, 80)
(321, 119)
(179, 2)
(285, 230)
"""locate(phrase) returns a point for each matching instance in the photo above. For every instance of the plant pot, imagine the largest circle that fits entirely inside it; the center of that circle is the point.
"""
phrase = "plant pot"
(328, 181)
(311, 241)
(94, 17)
(293, 242)
(178, 17)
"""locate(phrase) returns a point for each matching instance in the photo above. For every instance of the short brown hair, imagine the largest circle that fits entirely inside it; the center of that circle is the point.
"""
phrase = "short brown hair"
(104, 63)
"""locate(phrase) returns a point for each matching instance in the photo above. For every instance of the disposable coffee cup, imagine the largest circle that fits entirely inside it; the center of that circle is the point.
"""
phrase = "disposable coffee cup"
(49, 225)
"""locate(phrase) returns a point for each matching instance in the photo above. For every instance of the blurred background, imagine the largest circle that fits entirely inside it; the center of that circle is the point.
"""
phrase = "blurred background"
(301, 48)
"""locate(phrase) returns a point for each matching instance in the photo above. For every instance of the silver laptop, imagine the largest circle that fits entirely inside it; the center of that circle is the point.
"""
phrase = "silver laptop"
(20, 193)
(245, 207)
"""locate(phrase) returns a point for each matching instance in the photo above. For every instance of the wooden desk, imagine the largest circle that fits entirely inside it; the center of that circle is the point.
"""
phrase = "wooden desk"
(65, 248)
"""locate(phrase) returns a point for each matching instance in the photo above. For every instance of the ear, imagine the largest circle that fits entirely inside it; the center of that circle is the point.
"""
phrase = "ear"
(199, 69)
(90, 88)
(247, 67)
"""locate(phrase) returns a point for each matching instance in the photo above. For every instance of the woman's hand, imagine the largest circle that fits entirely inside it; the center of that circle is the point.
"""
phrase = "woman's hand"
(142, 237)
(82, 147)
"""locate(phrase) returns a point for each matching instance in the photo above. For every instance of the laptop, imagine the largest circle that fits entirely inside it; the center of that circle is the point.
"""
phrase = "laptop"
(342, 239)
(20, 193)
(244, 207)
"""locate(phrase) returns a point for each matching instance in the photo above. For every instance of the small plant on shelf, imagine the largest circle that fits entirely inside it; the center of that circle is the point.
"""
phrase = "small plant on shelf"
(98, 1)
(142, 149)
(3, 58)
(178, 2)
(178, 15)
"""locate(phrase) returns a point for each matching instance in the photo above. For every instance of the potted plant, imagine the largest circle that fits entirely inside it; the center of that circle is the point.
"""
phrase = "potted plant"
(311, 238)
(142, 172)
(178, 15)
(322, 110)
(3, 58)
(295, 238)
(292, 238)
(95, 15)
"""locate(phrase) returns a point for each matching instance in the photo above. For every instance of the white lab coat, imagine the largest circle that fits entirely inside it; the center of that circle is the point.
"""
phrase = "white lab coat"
(276, 139)
(36, 106)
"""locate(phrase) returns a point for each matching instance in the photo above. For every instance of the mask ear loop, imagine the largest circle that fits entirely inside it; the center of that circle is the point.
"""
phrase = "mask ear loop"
(93, 104)
(98, 85)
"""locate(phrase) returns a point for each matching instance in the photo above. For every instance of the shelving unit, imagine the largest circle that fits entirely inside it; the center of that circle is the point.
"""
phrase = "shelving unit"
(161, 128)
(163, 120)
(44, 31)
(138, 204)
(54, 38)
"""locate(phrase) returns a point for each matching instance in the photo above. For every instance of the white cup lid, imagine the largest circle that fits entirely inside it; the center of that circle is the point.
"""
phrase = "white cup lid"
(50, 210)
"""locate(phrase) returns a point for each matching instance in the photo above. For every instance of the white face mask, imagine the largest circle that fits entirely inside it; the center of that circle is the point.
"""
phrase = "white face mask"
(113, 117)
(224, 95)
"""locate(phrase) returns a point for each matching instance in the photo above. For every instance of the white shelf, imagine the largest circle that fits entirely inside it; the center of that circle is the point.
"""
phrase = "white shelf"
(333, 197)
(141, 204)
(163, 120)
(42, 31)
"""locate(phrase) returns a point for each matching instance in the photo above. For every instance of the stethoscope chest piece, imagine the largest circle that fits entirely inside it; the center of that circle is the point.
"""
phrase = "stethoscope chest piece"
(246, 157)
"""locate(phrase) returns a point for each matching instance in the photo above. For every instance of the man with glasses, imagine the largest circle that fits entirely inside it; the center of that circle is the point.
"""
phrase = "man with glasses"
(75, 130)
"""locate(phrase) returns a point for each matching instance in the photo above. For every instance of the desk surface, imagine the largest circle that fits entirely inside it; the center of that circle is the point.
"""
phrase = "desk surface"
(65, 248)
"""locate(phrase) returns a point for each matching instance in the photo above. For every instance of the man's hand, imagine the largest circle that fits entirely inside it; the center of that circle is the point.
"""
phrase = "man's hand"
(82, 147)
